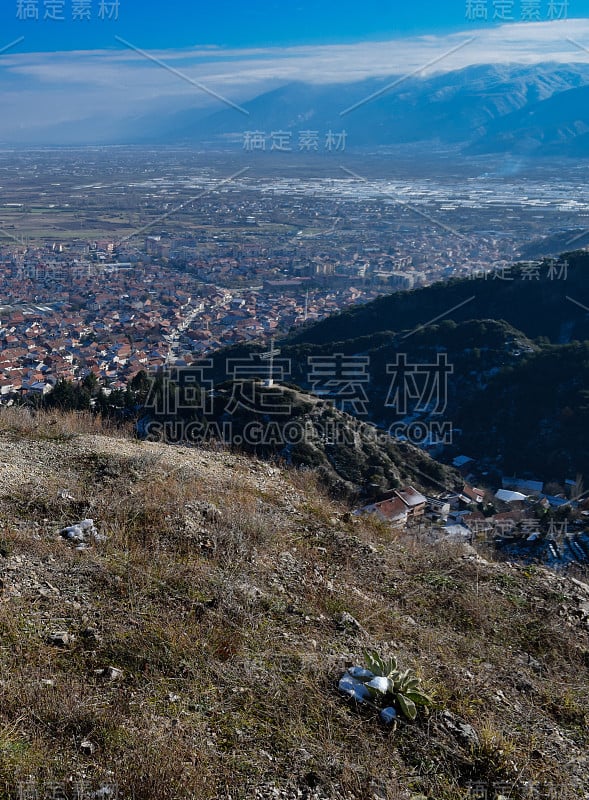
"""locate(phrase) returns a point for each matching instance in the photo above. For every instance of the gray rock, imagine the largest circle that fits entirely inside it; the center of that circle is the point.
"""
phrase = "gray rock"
(460, 729)
(348, 623)
(535, 664)
(91, 636)
(73, 533)
(584, 608)
(109, 673)
(113, 674)
(207, 511)
(580, 585)
(60, 638)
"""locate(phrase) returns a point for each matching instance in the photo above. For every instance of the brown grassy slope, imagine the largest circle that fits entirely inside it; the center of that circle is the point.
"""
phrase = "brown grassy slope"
(218, 594)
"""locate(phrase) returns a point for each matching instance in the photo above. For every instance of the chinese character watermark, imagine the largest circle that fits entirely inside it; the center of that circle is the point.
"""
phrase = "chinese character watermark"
(505, 10)
(62, 10)
(341, 379)
(284, 141)
(418, 387)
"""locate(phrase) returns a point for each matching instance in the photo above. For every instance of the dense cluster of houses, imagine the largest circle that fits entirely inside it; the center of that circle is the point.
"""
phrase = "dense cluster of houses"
(507, 512)
(90, 314)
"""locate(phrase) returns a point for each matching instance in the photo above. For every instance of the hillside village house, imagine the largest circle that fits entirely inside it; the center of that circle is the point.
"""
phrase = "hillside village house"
(414, 501)
(472, 494)
(393, 511)
(401, 508)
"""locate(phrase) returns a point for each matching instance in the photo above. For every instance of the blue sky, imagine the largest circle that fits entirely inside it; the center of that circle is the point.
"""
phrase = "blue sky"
(165, 24)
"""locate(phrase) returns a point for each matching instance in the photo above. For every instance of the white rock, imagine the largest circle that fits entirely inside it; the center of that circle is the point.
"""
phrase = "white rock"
(360, 673)
(353, 688)
(379, 684)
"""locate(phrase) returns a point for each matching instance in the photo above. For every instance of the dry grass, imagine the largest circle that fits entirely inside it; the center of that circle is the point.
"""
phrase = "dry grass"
(56, 425)
(227, 635)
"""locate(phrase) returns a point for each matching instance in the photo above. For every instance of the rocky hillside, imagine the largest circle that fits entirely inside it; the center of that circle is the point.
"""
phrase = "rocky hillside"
(188, 642)
(351, 457)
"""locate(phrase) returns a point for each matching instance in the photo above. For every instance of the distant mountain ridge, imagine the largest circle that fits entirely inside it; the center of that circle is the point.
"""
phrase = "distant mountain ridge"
(482, 109)
(558, 125)
(528, 110)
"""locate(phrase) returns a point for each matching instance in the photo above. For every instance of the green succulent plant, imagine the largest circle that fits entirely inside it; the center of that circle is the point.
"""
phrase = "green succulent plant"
(403, 685)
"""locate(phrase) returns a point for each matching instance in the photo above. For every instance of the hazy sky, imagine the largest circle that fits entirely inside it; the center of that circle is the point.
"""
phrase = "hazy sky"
(167, 24)
(99, 60)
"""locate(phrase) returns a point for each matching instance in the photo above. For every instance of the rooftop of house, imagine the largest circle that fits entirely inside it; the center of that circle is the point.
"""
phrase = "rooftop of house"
(410, 496)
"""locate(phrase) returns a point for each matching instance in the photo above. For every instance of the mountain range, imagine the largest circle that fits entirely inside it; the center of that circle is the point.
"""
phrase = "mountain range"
(523, 110)
(529, 110)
